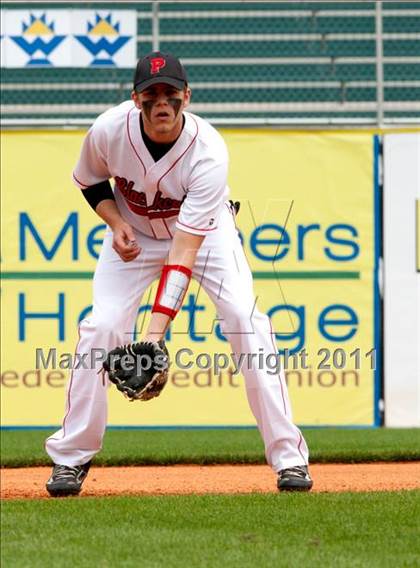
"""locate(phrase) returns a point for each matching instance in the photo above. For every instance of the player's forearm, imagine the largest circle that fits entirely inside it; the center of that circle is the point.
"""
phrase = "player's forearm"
(184, 249)
(158, 325)
(108, 211)
(183, 253)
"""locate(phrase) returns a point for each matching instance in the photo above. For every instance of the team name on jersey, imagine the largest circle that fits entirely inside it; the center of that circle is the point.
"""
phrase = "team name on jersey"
(161, 207)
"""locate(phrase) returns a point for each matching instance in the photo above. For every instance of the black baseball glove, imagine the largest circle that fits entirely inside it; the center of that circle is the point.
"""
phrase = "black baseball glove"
(140, 370)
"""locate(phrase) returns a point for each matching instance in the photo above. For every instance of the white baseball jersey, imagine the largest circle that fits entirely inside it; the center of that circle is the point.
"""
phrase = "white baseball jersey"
(185, 189)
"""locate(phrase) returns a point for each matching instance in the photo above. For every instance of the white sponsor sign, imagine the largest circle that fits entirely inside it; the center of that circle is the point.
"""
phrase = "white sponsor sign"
(402, 279)
(69, 38)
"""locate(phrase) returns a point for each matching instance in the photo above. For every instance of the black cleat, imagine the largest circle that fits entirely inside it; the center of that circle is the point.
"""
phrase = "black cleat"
(67, 480)
(294, 479)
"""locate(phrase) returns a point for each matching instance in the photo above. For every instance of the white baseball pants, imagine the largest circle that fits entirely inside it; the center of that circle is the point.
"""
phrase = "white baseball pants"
(224, 273)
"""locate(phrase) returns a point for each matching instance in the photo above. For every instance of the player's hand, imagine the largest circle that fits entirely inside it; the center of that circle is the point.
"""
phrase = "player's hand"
(124, 242)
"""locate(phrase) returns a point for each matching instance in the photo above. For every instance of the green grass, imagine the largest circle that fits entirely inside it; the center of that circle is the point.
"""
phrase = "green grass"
(338, 530)
(141, 447)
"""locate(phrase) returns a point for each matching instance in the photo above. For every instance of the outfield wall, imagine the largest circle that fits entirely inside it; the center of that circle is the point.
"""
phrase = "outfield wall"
(310, 226)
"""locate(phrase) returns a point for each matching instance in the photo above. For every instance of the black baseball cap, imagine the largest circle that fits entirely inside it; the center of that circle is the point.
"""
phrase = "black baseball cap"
(158, 67)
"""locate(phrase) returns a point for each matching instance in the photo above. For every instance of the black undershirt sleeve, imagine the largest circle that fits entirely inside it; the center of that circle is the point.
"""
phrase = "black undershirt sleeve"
(94, 194)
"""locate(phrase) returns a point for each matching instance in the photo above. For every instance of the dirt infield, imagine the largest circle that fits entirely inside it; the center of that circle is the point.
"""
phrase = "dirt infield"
(29, 483)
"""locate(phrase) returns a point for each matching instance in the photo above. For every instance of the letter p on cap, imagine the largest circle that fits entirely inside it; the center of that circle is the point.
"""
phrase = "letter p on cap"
(156, 64)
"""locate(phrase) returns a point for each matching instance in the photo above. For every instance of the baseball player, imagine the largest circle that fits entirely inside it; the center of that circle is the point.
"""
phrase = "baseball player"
(167, 218)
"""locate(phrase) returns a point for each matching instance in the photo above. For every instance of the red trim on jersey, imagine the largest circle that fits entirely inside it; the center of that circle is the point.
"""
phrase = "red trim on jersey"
(153, 231)
(79, 182)
(143, 210)
(167, 228)
(157, 306)
(131, 142)
(176, 161)
(196, 228)
(179, 157)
